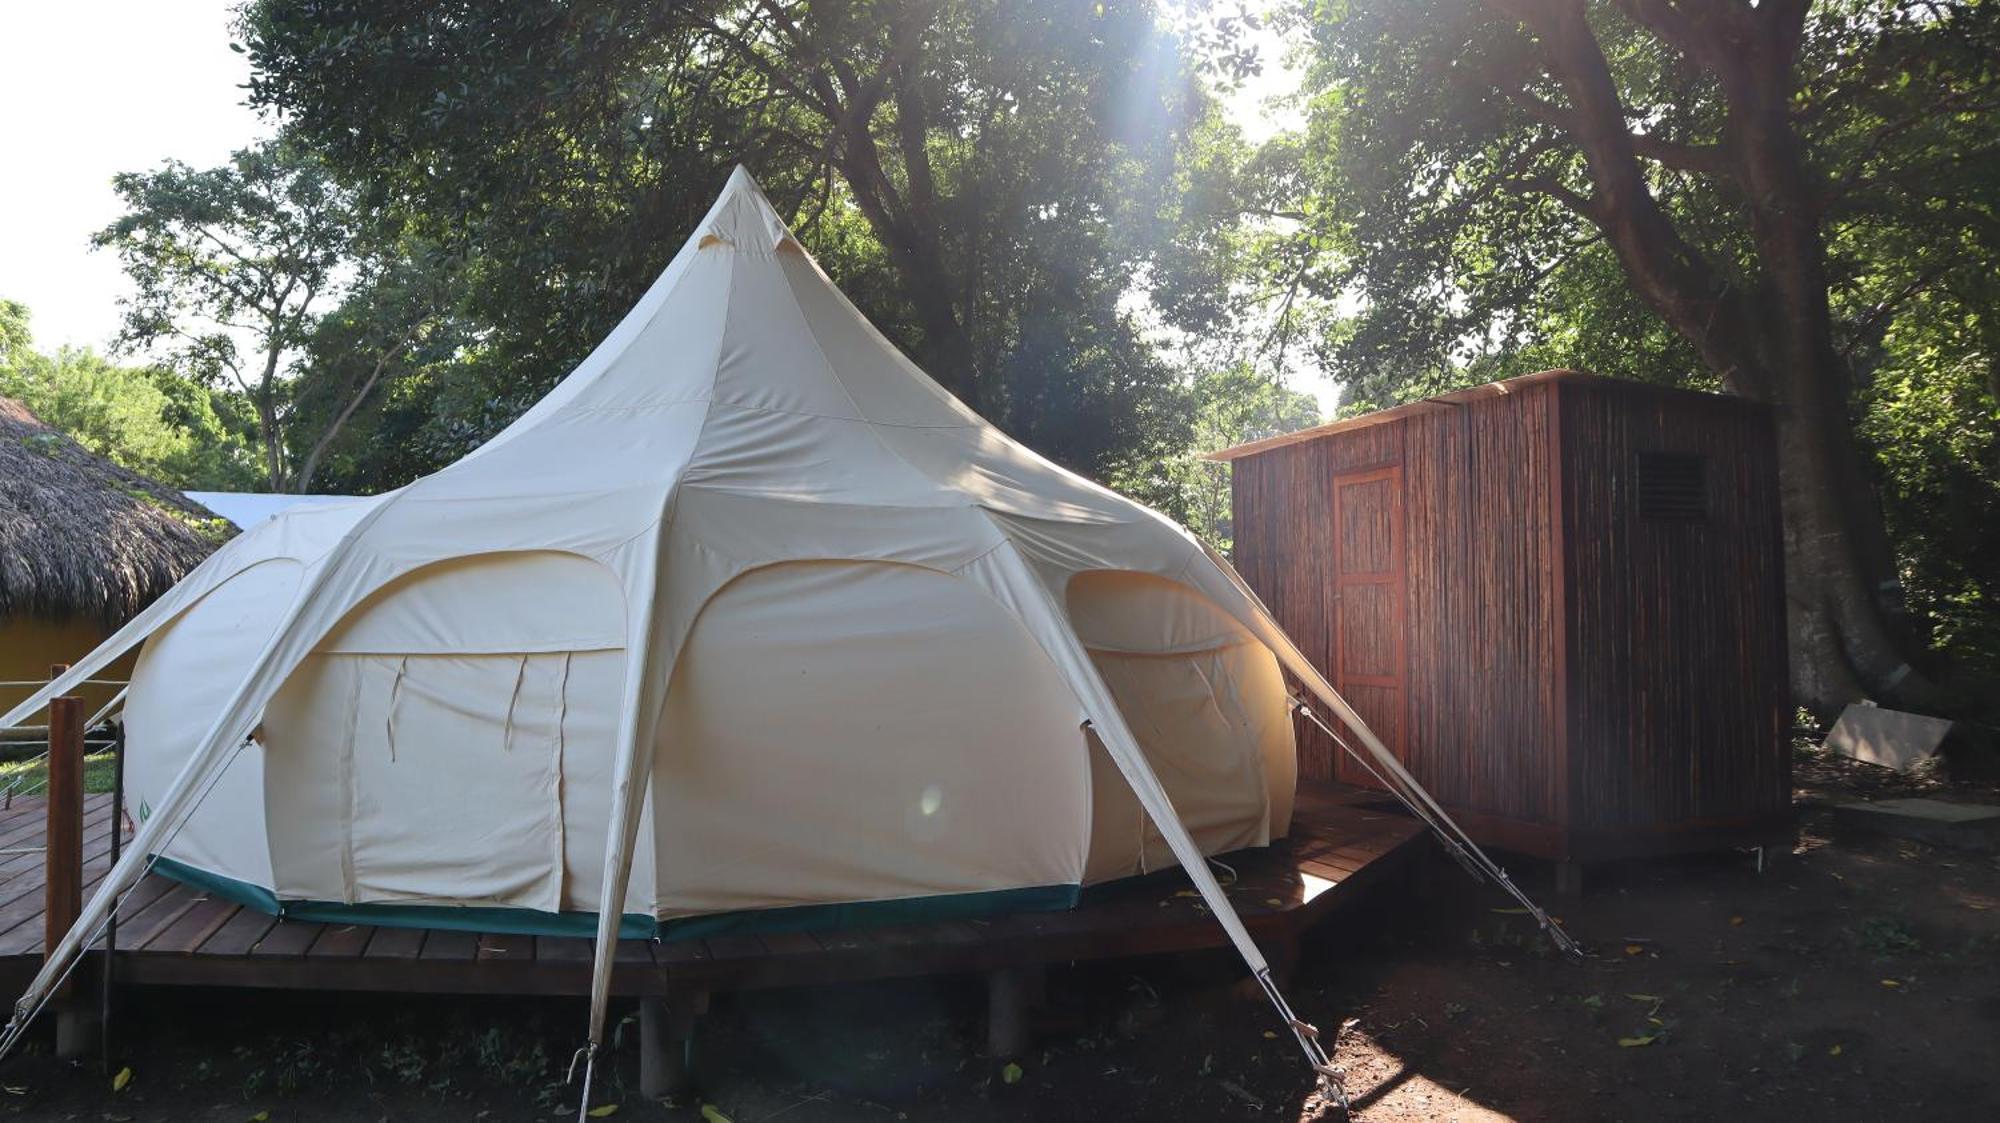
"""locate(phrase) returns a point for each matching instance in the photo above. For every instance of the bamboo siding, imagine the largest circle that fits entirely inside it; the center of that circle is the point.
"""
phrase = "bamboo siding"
(1572, 677)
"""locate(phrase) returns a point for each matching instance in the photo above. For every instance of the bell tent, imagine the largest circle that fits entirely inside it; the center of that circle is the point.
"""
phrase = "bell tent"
(747, 622)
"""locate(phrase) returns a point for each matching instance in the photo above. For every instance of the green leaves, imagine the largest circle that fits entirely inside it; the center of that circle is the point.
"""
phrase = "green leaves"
(988, 188)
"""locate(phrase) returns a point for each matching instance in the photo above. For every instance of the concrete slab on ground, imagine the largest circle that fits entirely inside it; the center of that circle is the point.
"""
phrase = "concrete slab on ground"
(1890, 738)
(1961, 826)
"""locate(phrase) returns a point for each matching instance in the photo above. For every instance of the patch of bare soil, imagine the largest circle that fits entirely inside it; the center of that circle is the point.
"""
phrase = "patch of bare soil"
(1852, 979)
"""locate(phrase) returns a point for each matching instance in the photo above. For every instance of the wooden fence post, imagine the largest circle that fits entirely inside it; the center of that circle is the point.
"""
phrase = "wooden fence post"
(63, 858)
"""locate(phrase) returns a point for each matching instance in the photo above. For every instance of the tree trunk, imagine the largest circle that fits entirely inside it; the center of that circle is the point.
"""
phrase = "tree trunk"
(1846, 601)
(274, 453)
(909, 232)
(1775, 345)
(310, 467)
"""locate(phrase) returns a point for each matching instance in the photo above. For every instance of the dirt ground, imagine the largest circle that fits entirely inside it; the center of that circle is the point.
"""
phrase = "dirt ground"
(1853, 979)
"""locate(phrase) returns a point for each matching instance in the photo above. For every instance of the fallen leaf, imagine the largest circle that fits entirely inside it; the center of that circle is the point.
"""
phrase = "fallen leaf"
(1635, 1042)
(1635, 949)
(1187, 893)
(713, 1114)
(123, 1078)
(1645, 998)
(1892, 982)
(260, 1117)
(1011, 1074)
(1833, 1052)
(1736, 922)
(602, 1111)
(1270, 1035)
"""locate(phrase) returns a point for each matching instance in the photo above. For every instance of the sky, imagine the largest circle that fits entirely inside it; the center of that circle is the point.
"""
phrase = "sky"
(160, 82)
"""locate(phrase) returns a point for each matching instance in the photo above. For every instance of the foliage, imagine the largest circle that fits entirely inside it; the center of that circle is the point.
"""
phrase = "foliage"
(229, 263)
(985, 178)
(1231, 406)
(266, 277)
(1041, 201)
(1456, 221)
(31, 776)
(146, 418)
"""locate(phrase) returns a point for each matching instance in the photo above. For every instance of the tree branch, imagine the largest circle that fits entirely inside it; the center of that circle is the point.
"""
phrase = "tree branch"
(1698, 159)
(310, 466)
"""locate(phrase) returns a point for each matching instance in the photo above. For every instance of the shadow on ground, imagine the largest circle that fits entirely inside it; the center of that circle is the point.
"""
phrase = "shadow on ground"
(1850, 980)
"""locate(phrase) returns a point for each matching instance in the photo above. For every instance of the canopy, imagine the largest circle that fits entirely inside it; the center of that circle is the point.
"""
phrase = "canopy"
(746, 616)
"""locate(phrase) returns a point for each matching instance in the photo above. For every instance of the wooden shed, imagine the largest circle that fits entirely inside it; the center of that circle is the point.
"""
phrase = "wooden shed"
(1559, 599)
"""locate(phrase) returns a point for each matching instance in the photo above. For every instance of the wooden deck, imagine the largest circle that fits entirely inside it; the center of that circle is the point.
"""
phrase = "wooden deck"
(170, 934)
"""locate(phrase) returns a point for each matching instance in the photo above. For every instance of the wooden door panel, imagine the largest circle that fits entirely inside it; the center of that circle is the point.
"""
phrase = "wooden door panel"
(1369, 622)
(1368, 509)
(1368, 610)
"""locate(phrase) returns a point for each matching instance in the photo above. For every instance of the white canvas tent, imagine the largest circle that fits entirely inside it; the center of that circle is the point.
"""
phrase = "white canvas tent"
(746, 615)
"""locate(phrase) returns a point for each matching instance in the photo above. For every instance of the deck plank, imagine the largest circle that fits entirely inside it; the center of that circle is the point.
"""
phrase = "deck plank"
(196, 925)
(341, 941)
(635, 953)
(240, 934)
(446, 945)
(505, 946)
(1340, 838)
(564, 949)
(287, 939)
(155, 918)
(396, 943)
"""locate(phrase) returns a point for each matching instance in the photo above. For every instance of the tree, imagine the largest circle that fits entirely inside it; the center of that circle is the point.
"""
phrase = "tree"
(1709, 176)
(984, 177)
(145, 418)
(397, 321)
(265, 275)
(230, 264)
(1231, 405)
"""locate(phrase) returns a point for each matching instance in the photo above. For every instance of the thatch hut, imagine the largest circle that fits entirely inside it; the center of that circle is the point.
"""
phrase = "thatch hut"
(84, 544)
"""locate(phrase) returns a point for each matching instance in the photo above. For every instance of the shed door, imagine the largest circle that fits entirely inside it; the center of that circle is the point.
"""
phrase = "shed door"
(1368, 615)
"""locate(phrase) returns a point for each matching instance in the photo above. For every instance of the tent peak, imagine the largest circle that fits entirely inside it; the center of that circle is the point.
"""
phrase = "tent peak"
(744, 219)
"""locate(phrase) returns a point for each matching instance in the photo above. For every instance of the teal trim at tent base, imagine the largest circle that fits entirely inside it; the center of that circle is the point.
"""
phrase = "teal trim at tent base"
(634, 926)
(498, 919)
(873, 914)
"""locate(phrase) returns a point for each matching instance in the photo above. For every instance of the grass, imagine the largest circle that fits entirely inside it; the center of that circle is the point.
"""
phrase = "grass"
(31, 777)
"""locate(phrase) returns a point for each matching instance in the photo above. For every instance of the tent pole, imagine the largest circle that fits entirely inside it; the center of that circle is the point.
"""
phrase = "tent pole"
(1035, 605)
(645, 686)
(111, 923)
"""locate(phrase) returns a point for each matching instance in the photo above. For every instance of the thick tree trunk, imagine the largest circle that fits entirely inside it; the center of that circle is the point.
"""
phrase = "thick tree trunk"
(1846, 601)
(1775, 345)
(919, 261)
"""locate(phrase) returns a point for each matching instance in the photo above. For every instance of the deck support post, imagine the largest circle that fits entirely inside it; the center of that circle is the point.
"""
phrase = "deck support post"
(1569, 879)
(1011, 994)
(1281, 953)
(666, 1043)
(76, 1022)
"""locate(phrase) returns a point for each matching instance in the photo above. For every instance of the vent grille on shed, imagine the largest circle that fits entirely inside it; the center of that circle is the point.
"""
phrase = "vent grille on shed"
(1673, 485)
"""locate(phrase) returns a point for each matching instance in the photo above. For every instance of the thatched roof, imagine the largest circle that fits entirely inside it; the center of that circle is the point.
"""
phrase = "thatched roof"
(81, 536)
